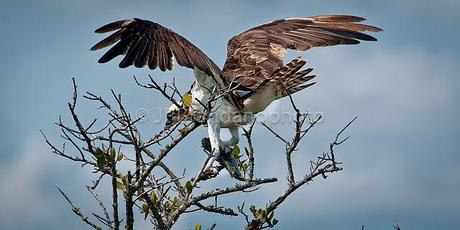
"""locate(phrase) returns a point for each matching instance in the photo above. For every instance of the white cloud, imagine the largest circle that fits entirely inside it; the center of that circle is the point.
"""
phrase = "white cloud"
(22, 195)
(389, 89)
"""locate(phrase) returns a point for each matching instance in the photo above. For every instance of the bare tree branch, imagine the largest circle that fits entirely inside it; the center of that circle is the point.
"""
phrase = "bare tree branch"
(151, 186)
(77, 211)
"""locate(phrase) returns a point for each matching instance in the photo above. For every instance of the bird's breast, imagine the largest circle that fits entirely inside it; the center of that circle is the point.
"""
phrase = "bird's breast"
(226, 113)
(259, 101)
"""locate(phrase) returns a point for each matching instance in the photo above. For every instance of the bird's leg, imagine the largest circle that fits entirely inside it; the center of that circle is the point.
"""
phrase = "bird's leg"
(225, 158)
(235, 137)
(228, 159)
(214, 139)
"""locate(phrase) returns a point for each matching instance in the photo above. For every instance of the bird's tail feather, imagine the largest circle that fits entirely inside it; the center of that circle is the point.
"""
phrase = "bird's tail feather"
(289, 80)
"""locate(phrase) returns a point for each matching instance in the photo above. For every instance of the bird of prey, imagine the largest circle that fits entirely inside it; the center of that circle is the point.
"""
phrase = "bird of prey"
(254, 74)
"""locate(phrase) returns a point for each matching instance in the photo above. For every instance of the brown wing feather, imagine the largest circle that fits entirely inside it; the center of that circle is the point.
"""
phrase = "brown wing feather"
(254, 55)
(148, 43)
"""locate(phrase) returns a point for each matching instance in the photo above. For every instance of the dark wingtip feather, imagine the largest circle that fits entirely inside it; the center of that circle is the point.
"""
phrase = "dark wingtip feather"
(298, 88)
(347, 20)
(113, 38)
(113, 26)
(364, 37)
(307, 85)
(374, 29)
(372, 39)
(123, 65)
(101, 60)
(109, 55)
(339, 18)
(357, 35)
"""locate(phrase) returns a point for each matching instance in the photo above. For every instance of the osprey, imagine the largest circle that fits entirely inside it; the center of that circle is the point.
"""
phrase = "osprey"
(253, 75)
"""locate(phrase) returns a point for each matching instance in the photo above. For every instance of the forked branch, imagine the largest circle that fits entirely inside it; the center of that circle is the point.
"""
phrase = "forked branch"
(150, 186)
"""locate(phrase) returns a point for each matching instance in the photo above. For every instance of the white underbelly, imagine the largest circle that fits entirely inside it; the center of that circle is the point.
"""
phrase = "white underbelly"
(259, 101)
(226, 113)
(229, 116)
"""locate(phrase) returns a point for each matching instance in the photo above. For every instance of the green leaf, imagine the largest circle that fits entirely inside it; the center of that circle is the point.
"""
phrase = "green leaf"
(270, 216)
(144, 208)
(175, 202)
(153, 198)
(259, 213)
(167, 206)
(112, 154)
(120, 156)
(264, 213)
(100, 158)
(253, 210)
(198, 227)
(120, 185)
(124, 179)
(189, 186)
(236, 152)
(99, 152)
(187, 100)
(244, 167)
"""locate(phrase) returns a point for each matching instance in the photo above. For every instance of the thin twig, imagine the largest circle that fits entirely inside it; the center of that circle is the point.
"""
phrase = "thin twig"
(77, 211)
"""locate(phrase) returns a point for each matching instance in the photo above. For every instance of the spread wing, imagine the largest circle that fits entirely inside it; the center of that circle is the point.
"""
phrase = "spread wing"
(254, 55)
(146, 43)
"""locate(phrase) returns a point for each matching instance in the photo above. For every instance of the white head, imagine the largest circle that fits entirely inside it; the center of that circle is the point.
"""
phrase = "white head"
(175, 114)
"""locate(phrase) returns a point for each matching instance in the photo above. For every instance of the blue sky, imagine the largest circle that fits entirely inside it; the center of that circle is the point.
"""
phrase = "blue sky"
(399, 165)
